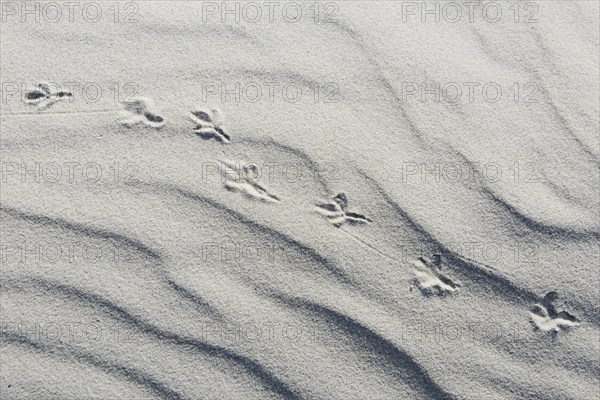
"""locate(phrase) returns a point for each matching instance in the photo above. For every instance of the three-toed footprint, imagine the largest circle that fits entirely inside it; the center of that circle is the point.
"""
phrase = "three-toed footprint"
(336, 211)
(245, 180)
(43, 96)
(544, 316)
(142, 110)
(209, 124)
(429, 278)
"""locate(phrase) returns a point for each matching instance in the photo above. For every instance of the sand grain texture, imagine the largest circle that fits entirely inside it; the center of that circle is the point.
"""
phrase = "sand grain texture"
(282, 248)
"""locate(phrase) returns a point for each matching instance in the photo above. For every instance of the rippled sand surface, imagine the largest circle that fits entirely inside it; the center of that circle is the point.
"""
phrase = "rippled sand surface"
(284, 207)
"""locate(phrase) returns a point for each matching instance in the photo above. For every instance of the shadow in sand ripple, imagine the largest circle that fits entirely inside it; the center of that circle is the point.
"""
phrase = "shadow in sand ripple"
(83, 230)
(535, 226)
(372, 342)
(154, 386)
(123, 241)
(254, 368)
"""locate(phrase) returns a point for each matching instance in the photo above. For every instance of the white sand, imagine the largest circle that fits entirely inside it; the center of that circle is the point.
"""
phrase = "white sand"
(145, 260)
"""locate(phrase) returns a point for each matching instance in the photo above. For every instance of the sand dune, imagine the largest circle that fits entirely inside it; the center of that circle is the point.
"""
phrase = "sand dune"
(199, 230)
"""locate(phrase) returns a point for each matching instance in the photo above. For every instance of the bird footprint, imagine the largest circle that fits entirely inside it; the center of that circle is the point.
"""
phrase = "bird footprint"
(545, 318)
(141, 110)
(209, 125)
(336, 211)
(43, 97)
(245, 180)
(433, 281)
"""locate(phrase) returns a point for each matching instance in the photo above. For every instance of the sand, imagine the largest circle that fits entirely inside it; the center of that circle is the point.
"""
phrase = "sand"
(335, 200)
